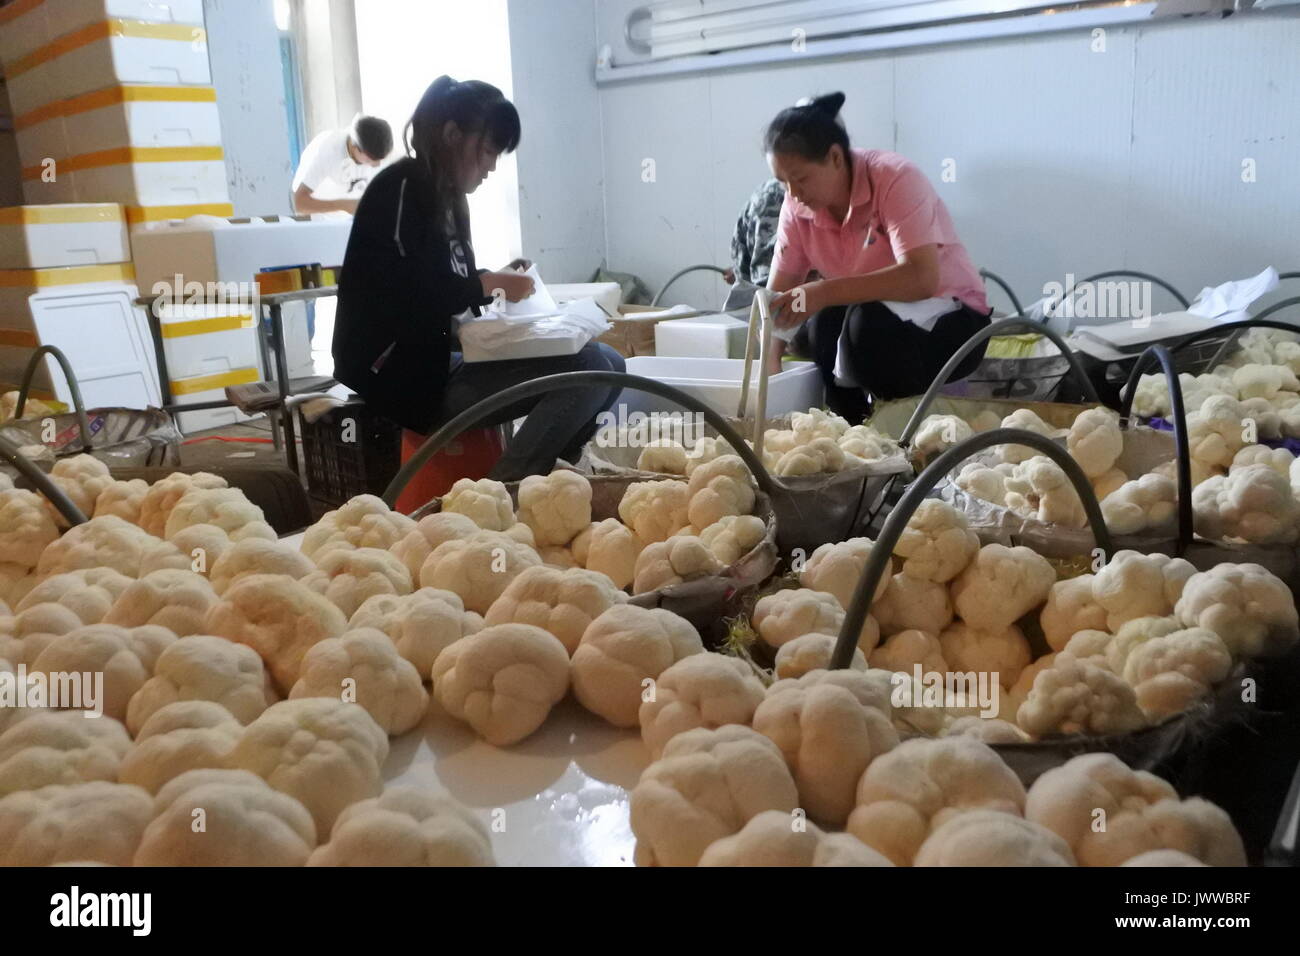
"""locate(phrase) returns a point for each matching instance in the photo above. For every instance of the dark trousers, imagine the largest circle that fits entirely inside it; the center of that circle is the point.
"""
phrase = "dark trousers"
(558, 424)
(891, 358)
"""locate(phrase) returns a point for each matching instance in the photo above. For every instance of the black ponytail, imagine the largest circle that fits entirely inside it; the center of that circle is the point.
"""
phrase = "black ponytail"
(477, 108)
(809, 129)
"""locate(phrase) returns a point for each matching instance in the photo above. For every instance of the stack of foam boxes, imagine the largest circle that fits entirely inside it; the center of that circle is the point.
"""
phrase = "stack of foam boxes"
(112, 103)
(66, 279)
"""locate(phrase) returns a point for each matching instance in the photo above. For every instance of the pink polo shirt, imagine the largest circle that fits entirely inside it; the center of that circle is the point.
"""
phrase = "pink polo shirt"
(891, 200)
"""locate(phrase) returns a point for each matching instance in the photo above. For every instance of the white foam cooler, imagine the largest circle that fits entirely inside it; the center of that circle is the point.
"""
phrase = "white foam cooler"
(42, 237)
(117, 117)
(147, 217)
(28, 25)
(708, 336)
(133, 176)
(716, 383)
(233, 250)
(88, 313)
(608, 295)
(208, 339)
(108, 53)
(209, 388)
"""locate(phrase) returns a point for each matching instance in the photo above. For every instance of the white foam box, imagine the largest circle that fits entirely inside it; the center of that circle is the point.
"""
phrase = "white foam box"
(201, 339)
(207, 249)
(88, 313)
(209, 388)
(28, 25)
(108, 53)
(709, 336)
(117, 117)
(608, 295)
(43, 237)
(147, 217)
(173, 175)
(716, 383)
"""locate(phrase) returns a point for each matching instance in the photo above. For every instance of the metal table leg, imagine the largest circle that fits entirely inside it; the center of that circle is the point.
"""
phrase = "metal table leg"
(276, 440)
(282, 382)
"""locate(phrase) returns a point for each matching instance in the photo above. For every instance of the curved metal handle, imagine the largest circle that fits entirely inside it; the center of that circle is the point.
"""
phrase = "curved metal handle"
(883, 549)
(41, 482)
(82, 422)
(998, 280)
(552, 383)
(677, 275)
(1182, 453)
(1113, 273)
(1260, 321)
(995, 328)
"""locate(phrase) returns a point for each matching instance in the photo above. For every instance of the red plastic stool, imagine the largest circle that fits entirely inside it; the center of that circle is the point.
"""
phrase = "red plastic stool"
(472, 455)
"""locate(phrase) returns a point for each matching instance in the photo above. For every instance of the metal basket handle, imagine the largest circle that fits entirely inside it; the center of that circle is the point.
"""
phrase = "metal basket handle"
(760, 317)
(883, 549)
(82, 422)
(1260, 321)
(1129, 273)
(995, 328)
(41, 482)
(1002, 283)
(552, 383)
(1182, 452)
(687, 271)
(1284, 847)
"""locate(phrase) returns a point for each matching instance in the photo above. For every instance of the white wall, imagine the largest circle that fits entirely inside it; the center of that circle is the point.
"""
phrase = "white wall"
(243, 48)
(1067, 160)
(561, 179)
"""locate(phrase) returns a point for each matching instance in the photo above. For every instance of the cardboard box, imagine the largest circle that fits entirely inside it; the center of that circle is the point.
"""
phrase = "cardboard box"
(633, 331)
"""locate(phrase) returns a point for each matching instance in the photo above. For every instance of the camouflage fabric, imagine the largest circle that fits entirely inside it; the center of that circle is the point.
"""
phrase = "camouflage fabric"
(754, 238)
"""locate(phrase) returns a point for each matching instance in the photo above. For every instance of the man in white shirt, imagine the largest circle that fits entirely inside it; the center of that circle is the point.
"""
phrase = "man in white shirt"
(336, 166)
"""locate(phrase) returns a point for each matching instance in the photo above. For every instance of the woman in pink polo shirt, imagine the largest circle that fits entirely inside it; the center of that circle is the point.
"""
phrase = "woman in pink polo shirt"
(897, 293)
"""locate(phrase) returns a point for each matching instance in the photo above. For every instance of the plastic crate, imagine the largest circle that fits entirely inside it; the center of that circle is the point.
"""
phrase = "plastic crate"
(349, 451)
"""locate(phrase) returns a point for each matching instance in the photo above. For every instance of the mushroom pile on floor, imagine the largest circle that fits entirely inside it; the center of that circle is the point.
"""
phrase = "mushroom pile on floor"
(260, 684)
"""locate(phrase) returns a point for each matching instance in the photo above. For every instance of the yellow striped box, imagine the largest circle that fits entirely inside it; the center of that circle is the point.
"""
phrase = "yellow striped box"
(28, 25)
(206, 340)
(210, 388)
(44, 237)
(108, 53)
(119, 116)
(133, 176)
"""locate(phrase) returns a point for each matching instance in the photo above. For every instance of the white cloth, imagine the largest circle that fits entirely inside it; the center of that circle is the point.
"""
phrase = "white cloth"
(327, 169)
(923, 314)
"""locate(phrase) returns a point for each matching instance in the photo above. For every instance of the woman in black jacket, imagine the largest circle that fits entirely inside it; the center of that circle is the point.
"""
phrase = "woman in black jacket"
(410, 270)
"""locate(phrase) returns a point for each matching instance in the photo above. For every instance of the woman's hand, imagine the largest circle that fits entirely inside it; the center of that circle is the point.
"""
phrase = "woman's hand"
(511, 286)
(518, 265)
(795, 307)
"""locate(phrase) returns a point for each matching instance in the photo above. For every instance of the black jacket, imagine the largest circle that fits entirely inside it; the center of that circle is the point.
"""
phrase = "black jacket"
(403, 280)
